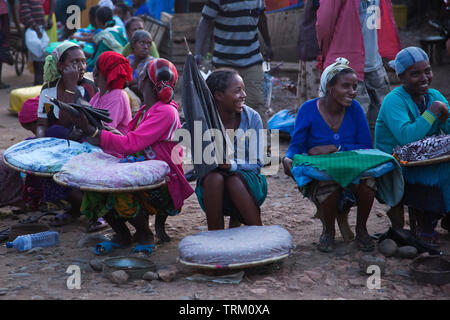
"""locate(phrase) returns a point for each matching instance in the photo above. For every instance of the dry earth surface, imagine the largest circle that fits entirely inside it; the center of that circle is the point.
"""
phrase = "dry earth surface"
(306, 274)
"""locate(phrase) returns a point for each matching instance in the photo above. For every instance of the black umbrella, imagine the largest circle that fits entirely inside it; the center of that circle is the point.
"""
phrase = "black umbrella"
(199, 106)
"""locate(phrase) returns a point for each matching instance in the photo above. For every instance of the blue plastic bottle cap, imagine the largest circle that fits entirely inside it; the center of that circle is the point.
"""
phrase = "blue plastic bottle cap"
(9, 244)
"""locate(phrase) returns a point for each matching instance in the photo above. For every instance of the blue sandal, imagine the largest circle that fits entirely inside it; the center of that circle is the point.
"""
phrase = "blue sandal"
(105, 247)
(145, 248)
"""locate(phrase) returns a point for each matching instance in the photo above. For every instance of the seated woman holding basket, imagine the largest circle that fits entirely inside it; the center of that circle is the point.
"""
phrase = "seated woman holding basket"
(410, 113)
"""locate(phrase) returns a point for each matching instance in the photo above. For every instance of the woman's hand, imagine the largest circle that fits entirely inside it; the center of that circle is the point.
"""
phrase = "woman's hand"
(318, 150)
(287, 164)
(82, 123)
(440, 110)
(70, 76)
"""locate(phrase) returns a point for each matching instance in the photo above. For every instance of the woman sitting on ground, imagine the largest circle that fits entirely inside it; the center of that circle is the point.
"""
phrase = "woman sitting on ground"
(149, 137)
(332, 123)
(140, 43)
(237, 189)
(409, 113)
(133, 24)
(110, 38)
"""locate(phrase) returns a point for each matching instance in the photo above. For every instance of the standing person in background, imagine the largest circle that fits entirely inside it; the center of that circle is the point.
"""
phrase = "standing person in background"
(49, 11)
(5, 54)
(32, 16)
(367, 33)
(308, 51)
(236, 43)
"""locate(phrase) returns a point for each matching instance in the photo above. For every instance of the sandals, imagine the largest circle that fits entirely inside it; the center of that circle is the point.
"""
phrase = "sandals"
(145, 248)
(35, 219)
(365, 242)
(105, 247)
(326, 243)
(62, 219)
(96, 225)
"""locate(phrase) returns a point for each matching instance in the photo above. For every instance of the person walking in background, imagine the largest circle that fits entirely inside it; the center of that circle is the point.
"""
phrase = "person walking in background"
(364, 31)
(5, 54)
(308, 51)
(236, 43)
(32, 16)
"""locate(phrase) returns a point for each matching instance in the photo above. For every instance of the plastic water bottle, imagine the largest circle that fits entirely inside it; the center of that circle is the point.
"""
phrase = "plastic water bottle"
(41, 239)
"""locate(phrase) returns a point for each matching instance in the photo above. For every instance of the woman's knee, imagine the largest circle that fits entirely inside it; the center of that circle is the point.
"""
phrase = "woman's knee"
(213, 179)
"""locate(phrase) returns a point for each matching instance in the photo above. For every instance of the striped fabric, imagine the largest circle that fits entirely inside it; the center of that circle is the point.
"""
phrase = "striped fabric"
(32, 13)
(235, 31)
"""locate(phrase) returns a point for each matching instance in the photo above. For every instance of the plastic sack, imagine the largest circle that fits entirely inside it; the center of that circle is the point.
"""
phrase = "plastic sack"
(18, 97)
(283, 121)
(248, 245)
(35, 45)
(267, 89)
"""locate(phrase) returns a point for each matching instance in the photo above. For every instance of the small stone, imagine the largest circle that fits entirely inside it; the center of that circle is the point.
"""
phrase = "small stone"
(387, 247)
(119, 277)
(407, 252)
(21, 275)
(304, 279)
(167, 274)
(150, 276)
(37, 298)
(314, 275)
(96, 264)
(3, 291)
(34, 250)
(367, 260)
(39, 257)
(258, 291)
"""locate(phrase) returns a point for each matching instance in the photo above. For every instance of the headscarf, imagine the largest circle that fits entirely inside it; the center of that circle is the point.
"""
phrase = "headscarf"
(164, 76)
(330, 72)
(51, 72)
(29, 111)
(406, 58)
(115, 68)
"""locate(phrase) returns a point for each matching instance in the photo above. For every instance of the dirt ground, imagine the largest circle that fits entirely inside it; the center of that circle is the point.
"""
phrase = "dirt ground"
(305, 274)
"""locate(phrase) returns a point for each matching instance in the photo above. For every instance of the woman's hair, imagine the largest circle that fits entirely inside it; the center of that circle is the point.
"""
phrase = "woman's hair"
(219, 79)
(92, 14)
(130, 22)
(139, 35)
(334, 80)
(105, 16)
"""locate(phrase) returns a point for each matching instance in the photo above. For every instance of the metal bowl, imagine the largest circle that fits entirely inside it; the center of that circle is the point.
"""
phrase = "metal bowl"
(133, 266)
(431, 269)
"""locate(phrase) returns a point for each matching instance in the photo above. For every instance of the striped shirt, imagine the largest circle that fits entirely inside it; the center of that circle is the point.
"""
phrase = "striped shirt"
(235, 31)
(31, 13)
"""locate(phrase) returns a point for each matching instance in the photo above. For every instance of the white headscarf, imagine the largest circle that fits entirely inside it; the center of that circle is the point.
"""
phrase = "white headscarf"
(330, 72)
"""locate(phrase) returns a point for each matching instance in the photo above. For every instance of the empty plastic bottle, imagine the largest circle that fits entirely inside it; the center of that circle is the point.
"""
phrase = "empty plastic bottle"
(28, 241)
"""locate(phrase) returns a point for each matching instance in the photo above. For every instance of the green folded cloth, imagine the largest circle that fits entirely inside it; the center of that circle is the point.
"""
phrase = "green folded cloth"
(344, 166)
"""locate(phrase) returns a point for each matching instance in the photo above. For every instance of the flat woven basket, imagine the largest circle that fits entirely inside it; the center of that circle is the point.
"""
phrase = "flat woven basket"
(102, 189)
(39, 174)
(427, 162)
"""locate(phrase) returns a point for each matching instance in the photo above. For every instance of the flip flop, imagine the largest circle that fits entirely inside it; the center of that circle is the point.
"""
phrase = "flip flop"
(105, 247)
(96, 225)
(145, 248)
(36, 219)
(62, 219)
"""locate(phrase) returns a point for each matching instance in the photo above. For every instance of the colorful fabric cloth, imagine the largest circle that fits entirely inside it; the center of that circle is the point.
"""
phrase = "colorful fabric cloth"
(28, 113)
(343, 167)
(45, 155)
(255, 183)
(104, 171)
(139, 67)
(311, 130)
(164, 76)
(400, 122)
(330, 72)
(115, 68)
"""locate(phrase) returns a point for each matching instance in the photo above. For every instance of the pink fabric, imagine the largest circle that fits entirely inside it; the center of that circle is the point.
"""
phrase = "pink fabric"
(153, 137)
(29, 111)
(117, 103)
(339, 33)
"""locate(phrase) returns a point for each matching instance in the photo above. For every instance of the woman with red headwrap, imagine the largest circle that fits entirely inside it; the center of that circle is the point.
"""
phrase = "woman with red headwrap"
(111, 72)
(149, 138)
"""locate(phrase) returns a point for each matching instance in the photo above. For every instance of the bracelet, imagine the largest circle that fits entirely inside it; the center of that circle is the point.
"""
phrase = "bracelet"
(95, 133)
(68, 91)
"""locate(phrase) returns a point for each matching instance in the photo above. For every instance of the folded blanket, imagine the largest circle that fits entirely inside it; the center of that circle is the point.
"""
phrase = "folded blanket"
(349, 166)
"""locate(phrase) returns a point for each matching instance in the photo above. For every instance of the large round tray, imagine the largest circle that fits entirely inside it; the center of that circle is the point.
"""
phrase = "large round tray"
(102, 189)
(40, 174)
(426, 162)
